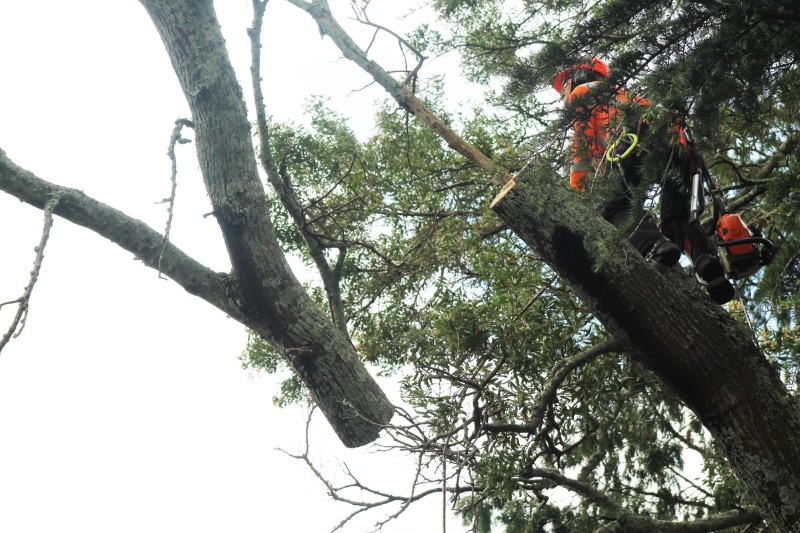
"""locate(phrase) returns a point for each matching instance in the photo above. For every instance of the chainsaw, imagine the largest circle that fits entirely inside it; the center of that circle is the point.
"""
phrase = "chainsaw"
(742, 248)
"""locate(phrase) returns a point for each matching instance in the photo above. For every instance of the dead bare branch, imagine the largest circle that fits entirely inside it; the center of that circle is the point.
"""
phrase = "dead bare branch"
(369, 498)
(175, 138)
(363, 18)
(23, 302)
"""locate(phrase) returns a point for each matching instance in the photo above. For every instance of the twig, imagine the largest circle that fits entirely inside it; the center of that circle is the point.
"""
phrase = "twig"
(321, 13)
(557, 376)
(535, 297)
(628, 521)
(173, 140)
(362, 505)
(23, 302)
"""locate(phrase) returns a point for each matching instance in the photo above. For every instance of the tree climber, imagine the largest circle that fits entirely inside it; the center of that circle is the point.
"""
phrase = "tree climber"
(607, 124)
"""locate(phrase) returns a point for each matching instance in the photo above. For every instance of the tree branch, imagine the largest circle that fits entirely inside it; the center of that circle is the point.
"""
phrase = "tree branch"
(321, 13)
(630, 299)
(362, 17)
(175, 139)
(23, 302)
(764, 170)
(557, 376)
(263, 294)
(363, 504)
(286, 316)
(278, 178)
(128, 233)
(623, 521)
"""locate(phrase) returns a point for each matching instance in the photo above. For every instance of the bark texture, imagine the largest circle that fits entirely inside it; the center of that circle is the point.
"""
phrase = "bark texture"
(676, 331)
(270, 294)
(128, 233)
(351, 400)
(262, 292)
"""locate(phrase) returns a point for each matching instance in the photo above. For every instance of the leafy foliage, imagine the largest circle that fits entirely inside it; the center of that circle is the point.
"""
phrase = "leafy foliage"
(730, 69)
(545, 426)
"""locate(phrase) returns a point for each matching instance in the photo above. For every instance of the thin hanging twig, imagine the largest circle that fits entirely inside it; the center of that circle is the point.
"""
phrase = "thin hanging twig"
(23, 302)
(173, 140)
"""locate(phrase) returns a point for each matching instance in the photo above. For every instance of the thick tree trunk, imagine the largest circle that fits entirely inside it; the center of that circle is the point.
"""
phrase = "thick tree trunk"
(271, 295)
(676, 331)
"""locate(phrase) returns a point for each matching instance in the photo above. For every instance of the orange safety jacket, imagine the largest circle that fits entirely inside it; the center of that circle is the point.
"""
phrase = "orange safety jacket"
(590, 133)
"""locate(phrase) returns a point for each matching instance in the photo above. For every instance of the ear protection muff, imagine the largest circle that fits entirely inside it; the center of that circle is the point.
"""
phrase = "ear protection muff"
(581, 76)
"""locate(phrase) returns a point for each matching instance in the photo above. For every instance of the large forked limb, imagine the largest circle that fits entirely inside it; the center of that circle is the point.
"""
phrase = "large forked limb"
(262, 292)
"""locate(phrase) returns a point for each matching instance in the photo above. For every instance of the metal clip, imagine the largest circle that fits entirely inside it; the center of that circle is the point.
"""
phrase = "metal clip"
(634, 140)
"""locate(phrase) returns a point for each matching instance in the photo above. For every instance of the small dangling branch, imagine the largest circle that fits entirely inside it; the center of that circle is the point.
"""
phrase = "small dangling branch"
(445, 451)
(174, 139)
(23, 302)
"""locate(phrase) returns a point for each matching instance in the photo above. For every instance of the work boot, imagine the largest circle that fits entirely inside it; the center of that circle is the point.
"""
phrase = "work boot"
(665, 253)
(709, 272)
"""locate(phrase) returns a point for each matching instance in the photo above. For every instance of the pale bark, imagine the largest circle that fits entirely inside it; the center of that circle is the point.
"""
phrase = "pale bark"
(262, 292)
(128, 233)
(321, 354)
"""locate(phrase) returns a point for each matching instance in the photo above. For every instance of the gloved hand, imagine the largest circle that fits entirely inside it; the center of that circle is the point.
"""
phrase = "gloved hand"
(578, 179)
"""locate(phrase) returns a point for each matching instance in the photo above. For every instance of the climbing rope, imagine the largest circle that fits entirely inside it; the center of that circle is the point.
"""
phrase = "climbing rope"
(747, 316)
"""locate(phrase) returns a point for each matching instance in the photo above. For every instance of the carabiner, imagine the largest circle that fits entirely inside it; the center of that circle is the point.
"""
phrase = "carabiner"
(634, 140)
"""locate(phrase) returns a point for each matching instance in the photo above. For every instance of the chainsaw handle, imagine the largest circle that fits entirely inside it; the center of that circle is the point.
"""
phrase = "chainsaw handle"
(747, 240)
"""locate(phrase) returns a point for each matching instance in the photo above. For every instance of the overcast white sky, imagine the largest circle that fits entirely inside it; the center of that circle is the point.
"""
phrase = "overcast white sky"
(123, 406)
